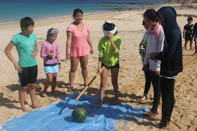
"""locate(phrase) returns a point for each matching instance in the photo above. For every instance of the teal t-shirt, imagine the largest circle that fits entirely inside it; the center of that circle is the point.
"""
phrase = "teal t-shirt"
(25, 47)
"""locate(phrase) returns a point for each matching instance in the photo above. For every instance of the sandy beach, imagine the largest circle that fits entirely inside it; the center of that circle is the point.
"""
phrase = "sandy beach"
(131, 77)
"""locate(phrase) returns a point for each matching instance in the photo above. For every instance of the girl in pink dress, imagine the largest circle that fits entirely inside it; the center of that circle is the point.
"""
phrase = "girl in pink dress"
(78, 39)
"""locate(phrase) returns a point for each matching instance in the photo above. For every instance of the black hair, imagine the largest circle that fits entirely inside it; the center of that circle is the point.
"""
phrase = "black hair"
(143, 22)
(189, 18)
(109, 26)
(25, 22)
(151, 14)
(48, 33)
(76, 11)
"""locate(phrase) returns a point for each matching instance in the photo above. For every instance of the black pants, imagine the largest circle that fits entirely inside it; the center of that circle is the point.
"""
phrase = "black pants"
(167, 91)
(147, 82)
(157, 91)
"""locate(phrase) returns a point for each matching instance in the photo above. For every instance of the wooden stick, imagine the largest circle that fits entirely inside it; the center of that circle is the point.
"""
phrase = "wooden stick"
(83, 91)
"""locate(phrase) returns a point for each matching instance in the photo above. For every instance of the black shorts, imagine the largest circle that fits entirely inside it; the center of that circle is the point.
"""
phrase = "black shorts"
(28, 75)
(188, 37)
(111, 67)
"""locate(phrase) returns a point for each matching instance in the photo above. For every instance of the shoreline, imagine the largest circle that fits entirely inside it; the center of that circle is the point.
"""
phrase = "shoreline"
(146, 5)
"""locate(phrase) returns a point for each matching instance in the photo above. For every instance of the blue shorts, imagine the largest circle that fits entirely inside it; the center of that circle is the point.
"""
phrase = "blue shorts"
(51, 69)
(195, 39)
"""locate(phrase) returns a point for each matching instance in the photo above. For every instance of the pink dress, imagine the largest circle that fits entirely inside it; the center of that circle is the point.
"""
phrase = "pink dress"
(79, 44)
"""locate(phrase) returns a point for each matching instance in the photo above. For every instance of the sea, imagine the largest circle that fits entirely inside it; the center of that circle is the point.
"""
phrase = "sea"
(14, 10)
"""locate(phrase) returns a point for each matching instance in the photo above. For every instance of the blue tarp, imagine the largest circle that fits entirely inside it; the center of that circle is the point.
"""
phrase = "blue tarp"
(57, 117)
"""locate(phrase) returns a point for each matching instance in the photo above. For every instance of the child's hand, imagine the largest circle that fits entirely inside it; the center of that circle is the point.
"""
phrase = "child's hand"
(157, 73)
(33, 54)
(50, 57)
(59, 66)
(141, 47)
(145, 67)
(67, 54)
(152, 56)
(110, 35)
(18, 68)
(99, 70)
(91, 50)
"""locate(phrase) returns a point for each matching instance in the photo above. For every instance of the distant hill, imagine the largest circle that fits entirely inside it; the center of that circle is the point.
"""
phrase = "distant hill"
(184, 1)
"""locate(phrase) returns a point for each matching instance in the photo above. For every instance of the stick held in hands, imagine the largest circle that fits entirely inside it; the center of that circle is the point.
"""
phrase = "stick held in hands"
(83, 91)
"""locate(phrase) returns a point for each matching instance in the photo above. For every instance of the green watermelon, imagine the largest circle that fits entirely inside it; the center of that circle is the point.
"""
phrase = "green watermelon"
(79, 114)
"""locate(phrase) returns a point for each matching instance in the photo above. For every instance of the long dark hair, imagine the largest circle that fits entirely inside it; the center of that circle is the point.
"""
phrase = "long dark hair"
(76, 11)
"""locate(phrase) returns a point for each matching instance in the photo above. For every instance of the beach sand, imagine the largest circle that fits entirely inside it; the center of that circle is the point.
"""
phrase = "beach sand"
(131, 77)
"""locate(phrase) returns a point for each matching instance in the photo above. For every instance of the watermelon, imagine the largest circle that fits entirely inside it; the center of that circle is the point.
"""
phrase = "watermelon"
(79, 115)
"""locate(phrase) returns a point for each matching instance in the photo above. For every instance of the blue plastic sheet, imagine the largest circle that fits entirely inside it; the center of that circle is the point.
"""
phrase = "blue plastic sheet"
(58, 117)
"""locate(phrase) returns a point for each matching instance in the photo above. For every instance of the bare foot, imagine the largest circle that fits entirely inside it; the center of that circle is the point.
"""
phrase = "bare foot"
(151, 99)
(54, 93)
(70, 90)
(116, 101)
(44, 94)
(24, 109)
(143, 98)
(100, 104)
(36, 106)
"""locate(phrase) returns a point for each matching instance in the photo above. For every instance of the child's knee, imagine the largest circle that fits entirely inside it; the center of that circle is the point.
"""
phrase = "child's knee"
(103, 83)
(73, 70)
(32, 86)
(54, 77)
(84, 68)
(115, 84)
(23, 89)
(102, 87)
(49, 81)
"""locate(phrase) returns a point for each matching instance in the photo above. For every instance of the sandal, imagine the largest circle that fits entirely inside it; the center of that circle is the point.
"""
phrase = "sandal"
(150, 113)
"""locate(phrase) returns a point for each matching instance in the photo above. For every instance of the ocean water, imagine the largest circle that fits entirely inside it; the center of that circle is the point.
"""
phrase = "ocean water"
(13, 10)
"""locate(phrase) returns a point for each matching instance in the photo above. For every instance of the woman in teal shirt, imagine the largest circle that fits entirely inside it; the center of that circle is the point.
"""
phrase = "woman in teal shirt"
(27, 49)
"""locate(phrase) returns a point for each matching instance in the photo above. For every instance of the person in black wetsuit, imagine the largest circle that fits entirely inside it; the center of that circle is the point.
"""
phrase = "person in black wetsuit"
(171, 61)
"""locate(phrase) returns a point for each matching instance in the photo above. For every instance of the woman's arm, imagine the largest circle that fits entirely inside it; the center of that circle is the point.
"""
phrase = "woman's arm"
(68, 43)
(90, 43)
(10, 57)
(34, 54)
